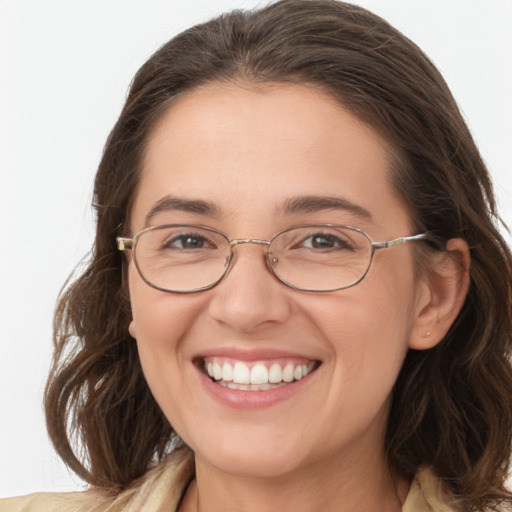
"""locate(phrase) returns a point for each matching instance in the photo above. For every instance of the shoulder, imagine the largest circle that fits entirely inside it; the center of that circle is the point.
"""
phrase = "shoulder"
(160, 489)
(427, 494)
(87, 501)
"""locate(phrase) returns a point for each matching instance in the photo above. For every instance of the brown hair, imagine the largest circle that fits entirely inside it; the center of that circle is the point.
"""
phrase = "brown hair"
(452, 405)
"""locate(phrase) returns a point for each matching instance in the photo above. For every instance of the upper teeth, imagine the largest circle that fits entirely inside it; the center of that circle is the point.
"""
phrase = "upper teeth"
(240, 373)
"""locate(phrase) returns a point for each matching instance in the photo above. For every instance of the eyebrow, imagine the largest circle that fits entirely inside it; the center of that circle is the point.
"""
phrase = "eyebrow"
(173, 203)
(295, 205)
(312, 204)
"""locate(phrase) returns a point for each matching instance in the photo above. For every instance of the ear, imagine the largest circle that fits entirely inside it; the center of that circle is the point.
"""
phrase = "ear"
(132, 330)
(441, 295)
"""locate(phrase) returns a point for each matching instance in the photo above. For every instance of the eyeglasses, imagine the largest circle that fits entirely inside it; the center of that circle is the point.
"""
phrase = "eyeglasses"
(183, 258)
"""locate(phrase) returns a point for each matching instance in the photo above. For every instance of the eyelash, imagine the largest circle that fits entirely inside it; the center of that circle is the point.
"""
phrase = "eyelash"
(169, 244)
(339, 242)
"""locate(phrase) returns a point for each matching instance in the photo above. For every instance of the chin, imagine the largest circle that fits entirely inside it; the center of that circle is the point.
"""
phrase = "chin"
(256, 464)
(250, 456)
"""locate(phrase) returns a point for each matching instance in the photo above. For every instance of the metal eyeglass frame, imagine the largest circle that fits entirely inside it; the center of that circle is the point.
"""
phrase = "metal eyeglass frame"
(129, 244)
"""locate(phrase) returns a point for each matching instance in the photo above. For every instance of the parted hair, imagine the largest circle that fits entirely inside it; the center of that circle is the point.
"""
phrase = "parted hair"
(451, 406)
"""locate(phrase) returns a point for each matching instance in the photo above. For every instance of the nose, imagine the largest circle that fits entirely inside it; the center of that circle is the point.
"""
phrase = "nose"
(250, 297)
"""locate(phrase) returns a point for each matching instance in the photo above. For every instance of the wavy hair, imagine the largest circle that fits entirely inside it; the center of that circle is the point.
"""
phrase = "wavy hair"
(451, 405)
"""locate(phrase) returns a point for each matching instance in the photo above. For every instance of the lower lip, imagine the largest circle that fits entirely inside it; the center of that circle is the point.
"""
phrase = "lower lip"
(253, 399)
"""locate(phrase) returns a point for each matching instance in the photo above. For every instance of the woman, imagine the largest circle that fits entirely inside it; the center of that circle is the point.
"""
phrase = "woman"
(298, 297)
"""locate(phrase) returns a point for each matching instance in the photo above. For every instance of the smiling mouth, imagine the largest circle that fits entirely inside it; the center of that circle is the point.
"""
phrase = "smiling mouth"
(257, 375)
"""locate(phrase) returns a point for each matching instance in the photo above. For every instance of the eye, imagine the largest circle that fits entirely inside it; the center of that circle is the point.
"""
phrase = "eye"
(188, 241)
(326, 241)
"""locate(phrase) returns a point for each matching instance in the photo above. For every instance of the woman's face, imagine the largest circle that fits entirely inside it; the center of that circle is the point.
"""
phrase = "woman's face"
(249, 154)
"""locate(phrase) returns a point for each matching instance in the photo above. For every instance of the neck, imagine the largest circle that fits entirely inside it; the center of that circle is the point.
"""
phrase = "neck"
(340, 485)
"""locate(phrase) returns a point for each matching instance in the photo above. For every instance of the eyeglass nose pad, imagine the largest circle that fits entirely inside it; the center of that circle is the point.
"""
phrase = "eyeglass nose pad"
(271, 261)
(229, 262)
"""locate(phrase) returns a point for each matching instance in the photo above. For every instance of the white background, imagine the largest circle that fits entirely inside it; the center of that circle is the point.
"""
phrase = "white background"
(64, 70)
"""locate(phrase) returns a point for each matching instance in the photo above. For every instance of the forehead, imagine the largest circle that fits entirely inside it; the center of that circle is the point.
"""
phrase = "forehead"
(247, 149)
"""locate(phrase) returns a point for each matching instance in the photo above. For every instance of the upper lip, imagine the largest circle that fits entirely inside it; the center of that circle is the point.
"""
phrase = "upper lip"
(257, 354)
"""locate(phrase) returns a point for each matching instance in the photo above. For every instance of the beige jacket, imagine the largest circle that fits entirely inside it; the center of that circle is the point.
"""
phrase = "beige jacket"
(162, 488)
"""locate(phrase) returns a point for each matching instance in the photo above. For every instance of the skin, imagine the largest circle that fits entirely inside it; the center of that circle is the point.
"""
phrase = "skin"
(249, 151)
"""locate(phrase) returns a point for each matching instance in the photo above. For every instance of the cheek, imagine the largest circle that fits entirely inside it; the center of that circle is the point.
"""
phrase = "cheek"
(160, 323)
(368, 340)
(159, 318)
(367, 329)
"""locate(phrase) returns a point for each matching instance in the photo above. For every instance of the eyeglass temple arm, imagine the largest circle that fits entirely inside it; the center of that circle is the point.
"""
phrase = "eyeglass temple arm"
(124, 244)
(399, 241)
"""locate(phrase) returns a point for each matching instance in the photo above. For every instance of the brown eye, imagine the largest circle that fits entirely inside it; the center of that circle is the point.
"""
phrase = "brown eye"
(188, 241)
(325, 241)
